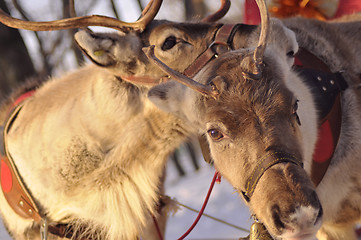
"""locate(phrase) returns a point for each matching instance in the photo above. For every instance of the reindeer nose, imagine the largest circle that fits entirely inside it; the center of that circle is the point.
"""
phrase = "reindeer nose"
(276, 217)
(302, 218)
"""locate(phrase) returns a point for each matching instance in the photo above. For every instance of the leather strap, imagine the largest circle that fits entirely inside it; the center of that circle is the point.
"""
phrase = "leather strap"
(328, 136)
(144, 80)
(12, 186)
(306, 59)
(14, 190)
(263, 165)
(222, 43)
(326, 87)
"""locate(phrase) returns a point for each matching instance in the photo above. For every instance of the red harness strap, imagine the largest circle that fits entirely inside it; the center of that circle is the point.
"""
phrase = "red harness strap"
(12, 186)
(327, 88)
(15, 192)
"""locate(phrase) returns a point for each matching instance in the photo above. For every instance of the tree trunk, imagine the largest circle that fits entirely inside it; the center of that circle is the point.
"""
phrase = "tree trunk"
(195, 9)
(15, 62)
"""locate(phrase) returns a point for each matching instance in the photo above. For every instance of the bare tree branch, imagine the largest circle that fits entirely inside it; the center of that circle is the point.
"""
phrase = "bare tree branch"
(114, 8)
(69, 11)
(140, 5)
(15, 66)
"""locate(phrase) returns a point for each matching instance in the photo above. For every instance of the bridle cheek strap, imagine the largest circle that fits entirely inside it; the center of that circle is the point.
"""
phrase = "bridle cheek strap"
(263, 165)
(222, 43)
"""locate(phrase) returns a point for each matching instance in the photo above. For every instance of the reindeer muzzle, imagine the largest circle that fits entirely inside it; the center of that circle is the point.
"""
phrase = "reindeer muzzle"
(265, 163)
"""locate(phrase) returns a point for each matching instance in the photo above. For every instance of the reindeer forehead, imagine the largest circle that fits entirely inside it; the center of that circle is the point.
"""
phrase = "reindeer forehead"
(243, 98)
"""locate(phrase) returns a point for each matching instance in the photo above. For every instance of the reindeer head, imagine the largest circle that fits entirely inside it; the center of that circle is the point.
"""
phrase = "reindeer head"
(178, 44)
(246, 102)
(121, 52)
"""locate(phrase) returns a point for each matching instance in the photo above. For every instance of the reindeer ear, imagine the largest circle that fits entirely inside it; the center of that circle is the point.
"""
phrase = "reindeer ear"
(167, 96)
(106, 49)
(96, 47)
(173, 97)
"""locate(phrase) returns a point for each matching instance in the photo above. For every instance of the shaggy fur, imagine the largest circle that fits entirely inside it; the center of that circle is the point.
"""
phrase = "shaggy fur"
(251, 119)
(91, 148)
(84, 176)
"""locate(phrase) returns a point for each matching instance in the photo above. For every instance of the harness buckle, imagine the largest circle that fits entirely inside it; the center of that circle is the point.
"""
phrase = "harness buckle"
(44, 229)
(219, 43)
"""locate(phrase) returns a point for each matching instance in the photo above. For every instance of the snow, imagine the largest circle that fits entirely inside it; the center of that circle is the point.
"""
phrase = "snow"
(3, 234)
(191, 190)
(224, 204)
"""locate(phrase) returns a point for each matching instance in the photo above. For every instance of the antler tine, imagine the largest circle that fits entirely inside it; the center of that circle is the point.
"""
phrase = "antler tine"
(259, 52)
(148, 14)
(146, 9)
(207, 90)
(80, 22)
(225, 5)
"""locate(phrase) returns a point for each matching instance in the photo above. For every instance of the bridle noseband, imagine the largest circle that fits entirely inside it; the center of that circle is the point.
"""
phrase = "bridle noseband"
(263, 165)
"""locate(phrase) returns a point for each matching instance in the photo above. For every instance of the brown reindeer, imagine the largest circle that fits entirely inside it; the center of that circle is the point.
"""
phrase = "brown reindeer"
(89, 147)
(269, 121)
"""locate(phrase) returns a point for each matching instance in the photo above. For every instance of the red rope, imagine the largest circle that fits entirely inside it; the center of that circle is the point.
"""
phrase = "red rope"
(215, 178)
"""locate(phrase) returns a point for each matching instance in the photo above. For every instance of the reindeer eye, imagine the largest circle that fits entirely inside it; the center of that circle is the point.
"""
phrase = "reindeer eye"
(169, 43)
(215, 134)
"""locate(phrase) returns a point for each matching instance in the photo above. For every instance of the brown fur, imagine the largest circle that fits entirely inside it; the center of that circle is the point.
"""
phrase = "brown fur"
(257, 117)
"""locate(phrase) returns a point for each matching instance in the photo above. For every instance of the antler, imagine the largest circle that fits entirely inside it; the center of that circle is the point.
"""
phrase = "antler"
(85, 21)
(225, 5)
(259, 51)
(207, 90)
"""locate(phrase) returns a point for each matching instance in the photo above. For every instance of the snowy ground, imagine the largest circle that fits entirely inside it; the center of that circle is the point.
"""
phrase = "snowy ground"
(223, 204)
(3, 233)
(191, 191)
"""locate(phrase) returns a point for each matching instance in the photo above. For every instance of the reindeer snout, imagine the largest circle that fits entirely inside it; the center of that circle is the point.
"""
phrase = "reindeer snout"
(301, 216)
(293, 211)
(302, 224)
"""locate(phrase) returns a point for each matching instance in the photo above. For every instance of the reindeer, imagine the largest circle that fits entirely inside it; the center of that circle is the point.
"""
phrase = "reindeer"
(265, 117)
(89, 147)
